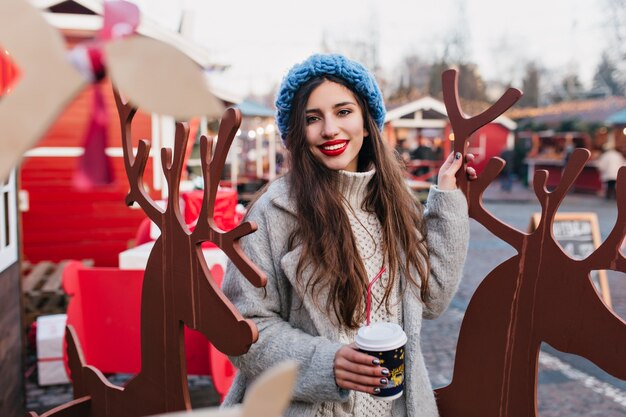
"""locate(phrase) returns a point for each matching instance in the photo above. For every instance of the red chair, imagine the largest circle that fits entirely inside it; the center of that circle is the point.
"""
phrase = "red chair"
(105, 311)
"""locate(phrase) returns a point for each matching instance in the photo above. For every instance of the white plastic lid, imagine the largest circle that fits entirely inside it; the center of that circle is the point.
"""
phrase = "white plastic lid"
(380, 336)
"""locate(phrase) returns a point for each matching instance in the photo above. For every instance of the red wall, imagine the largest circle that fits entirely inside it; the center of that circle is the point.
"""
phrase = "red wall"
(64, 223)
(495, 143)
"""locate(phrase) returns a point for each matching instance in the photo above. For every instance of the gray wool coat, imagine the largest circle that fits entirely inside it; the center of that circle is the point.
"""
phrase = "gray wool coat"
(292, 327)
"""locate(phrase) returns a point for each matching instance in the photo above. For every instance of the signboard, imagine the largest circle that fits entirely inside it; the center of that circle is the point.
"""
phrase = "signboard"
(579, 235)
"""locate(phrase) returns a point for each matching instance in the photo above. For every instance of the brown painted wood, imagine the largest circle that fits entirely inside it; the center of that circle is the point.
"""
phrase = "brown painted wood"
(178, 287)
(539, 295)
(11, 379)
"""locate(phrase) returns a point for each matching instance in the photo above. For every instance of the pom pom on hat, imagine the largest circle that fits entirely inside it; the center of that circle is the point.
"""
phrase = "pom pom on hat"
(355, 74)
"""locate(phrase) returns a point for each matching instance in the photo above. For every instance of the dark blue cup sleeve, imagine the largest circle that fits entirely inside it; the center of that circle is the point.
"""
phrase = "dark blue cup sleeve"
(394, 361)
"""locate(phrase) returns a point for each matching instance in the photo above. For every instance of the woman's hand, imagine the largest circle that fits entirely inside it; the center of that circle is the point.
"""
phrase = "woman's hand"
(358, 371)
(446, 180)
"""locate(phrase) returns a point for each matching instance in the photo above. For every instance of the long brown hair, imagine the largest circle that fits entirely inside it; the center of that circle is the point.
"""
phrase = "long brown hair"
(323, 228)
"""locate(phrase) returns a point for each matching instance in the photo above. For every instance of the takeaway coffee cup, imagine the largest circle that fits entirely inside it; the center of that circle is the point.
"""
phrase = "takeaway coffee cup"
(386, 342)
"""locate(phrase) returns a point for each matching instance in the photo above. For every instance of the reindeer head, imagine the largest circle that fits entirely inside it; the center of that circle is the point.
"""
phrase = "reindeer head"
(201, 304)
(539, 295)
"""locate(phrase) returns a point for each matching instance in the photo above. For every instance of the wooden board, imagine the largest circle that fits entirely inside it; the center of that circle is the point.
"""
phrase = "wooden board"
(578, 234)
(42, 292)
(11, 377)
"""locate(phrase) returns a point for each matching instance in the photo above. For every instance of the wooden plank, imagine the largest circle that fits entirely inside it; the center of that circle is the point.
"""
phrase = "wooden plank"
(578, 234)
(34, 279)
(52, 195)
(101, 253)
(72, 222)
(53, 283)
(80, 211)
(42, 292)
(11, 377)
(77, 236)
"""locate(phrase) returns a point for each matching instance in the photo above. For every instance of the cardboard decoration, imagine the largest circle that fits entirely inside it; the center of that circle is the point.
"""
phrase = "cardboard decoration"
(268, 396)
(539, 295)
(178, 288)
(149, 81)
(146, 70)
(47, 84)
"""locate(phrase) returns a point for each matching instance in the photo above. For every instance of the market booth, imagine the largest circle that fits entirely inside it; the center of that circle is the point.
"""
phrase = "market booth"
(549, 151)
(549, 134)
(427, 118)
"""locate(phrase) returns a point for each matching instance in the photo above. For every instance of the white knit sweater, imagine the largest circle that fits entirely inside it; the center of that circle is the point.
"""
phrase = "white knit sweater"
(367, 232)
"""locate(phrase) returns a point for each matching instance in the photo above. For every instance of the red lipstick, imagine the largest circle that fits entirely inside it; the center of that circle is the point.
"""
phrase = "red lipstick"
(333, 147)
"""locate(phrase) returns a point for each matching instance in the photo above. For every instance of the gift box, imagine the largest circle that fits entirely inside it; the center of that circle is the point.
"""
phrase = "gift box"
(50, 334)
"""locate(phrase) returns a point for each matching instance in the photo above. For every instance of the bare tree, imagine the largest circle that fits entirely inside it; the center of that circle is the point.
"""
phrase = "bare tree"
(607, 80)
(616, 36)
(530, 86)
(411, 79)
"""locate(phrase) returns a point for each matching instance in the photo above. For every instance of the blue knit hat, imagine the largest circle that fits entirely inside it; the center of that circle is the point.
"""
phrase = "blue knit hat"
(355, 74)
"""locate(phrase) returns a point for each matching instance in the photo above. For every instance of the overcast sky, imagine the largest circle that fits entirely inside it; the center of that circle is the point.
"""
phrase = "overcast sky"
(262, 39)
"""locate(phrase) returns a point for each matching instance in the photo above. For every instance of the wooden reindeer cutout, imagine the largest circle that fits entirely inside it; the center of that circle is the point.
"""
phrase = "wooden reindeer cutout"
(177, 289)
(539, 295)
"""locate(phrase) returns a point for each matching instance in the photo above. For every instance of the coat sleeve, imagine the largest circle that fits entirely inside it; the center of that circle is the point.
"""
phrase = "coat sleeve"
(447, 223)
(269, 309)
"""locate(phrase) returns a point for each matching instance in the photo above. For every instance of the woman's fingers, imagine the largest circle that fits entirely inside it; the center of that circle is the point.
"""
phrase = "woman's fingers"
(449, 160)
(446, 179)
(358, 371)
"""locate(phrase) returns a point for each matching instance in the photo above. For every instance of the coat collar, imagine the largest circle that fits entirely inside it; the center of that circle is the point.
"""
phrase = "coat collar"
(280, 194)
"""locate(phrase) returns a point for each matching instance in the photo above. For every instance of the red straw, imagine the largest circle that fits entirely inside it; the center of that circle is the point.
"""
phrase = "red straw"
(368, 302)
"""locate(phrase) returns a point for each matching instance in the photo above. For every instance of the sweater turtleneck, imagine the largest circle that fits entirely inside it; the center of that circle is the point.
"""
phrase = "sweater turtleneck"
(353, 186)
(367, 232)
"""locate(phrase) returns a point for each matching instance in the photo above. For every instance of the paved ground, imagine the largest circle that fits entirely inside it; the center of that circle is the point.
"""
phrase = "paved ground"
(42, 399)
(568, 386)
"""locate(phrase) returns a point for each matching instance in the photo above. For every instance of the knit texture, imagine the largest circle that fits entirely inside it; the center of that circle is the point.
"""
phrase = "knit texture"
(367, 233)
(355, 74)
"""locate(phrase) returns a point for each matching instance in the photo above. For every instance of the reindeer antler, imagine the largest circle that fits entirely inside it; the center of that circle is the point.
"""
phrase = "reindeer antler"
(599, 259)
(206, 229)
(172, 162)
(550, 201)
(135, 164)
(463, 127)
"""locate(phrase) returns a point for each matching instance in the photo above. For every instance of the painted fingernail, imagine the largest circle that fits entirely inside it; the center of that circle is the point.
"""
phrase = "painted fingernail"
(383, 381)
(457, 155)
(376, 362)
(385, 371)
(376, 390)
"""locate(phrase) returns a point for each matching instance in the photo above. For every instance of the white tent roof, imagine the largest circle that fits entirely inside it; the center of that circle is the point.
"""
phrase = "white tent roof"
(429, 103)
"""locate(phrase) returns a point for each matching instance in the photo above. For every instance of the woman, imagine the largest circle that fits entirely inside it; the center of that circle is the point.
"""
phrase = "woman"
(340, 217)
